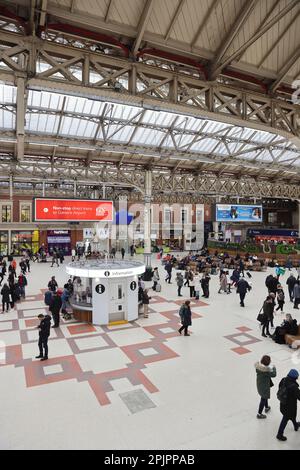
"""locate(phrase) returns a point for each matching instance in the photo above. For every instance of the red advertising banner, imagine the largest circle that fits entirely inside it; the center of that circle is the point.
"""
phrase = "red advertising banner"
(72, 210)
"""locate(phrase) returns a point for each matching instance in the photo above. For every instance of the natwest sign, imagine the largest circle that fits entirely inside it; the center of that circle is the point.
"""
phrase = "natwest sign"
(72, 210)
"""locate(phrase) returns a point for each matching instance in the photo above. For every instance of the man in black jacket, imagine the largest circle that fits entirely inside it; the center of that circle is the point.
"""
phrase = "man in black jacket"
(242, 287)
(44, 334)
(291, 281)
(288, 406)
(55, 306)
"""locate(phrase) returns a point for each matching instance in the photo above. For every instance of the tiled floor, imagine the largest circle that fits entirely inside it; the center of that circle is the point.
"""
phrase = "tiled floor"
(127, 383)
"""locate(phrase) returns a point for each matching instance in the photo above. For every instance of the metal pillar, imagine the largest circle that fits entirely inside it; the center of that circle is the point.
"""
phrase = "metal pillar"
(104, 192)
(75, 188)
(147, 218)
(11, 186)
(44, 192)
(20, 117)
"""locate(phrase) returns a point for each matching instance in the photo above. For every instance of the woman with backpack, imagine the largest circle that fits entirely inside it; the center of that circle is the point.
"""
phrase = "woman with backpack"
(264, 373)
(288, 394)
(280, 298)
(186, 317)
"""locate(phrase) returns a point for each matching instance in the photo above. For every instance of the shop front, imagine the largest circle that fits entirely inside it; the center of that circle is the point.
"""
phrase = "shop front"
(59, 240)
(3, 243)
(24, 240)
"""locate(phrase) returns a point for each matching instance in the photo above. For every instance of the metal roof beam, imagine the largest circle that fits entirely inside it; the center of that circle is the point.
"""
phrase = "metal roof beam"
(219, 67)
(280, 37)
(227, 41)
(174, 19)
(109, 8)
(283, 72)
(142, 25)
(213, 7)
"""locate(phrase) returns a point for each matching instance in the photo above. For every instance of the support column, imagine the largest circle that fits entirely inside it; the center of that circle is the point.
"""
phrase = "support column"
(11, 187)
(216, 229)
(147, 218)
(20, 117)
(104, 192)
(75, 188)
(44, 192)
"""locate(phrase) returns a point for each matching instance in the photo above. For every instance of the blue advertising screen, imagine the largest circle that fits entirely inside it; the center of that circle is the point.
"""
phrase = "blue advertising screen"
(238, 213)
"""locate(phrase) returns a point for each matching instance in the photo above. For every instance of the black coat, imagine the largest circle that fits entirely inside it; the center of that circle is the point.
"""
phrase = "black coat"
(186, 316)
(44, 327)
(242, 286)
(56, 304)
(5, 291)
(289, 410)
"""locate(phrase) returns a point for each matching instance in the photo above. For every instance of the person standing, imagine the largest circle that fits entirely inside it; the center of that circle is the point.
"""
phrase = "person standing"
(73, 252)
(169, 268)
(22, 282)
(242, 288)
(280, 298)
(48, 297)
(179, 281)
(186, 317)
(54, 259)
(187, 277)
(267, 316)
(52, 284)
(5, 292)
(223, 282)
(291, 281)
(146, 301)
(289, 394)
(205, 285)
(44, 333)
(197, 286)
(264, 373)
(297, 294)
(155, 278)
(55, 306)
(122, 252)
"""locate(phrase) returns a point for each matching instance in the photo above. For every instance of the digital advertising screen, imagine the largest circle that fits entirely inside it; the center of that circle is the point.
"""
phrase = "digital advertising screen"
(238, 213)
(72, 210)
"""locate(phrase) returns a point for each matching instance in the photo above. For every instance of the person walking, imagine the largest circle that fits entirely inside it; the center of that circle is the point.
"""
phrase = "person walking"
(52, 284)
(280, 298)
(288, 393)
(55, 306)
(5, 292)
(44, 333)
(146, 301)
(223, 282)
(48, 297)
(264, 374)
(187, 277)
(155, 278)
(205, 285)
(54, 259)
(22, 282)
(122, 252)
(192, 284)
(297, 294)
(73, 253)
(179, 281)
(169, 269)
(267, 316)
(291, 281)
(242, 288)
(186, 318)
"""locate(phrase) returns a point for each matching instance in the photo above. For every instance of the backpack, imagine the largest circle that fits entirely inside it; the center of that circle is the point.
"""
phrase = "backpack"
(282, 393)
(181, 311)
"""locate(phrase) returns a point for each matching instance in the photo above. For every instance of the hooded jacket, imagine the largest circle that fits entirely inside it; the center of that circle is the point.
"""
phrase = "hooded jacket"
(263, 379)
(289, 409)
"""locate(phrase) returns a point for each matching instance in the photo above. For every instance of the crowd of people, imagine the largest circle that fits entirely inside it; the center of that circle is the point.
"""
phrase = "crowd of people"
(14, 284)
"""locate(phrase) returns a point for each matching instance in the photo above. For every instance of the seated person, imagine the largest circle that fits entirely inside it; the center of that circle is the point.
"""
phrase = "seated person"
(288, 327)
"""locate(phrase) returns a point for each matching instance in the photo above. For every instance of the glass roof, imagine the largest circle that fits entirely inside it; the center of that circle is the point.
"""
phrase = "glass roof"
(101, 123)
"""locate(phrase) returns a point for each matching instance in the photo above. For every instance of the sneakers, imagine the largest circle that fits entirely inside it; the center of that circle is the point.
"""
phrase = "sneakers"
(267, 409)
(260, 416)
(281, 437)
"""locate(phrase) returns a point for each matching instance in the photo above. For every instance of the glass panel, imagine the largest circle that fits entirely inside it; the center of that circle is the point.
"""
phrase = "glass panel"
(6, 213)
(120, 291)
(25, 213)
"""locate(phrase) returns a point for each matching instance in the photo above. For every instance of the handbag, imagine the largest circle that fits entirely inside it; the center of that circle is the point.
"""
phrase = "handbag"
(261, 316)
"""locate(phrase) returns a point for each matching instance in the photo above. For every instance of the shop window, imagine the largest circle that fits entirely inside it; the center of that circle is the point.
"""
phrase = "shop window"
(167, 216)
(25, 212)
(3, 243)
(6, 212)
(184, 216)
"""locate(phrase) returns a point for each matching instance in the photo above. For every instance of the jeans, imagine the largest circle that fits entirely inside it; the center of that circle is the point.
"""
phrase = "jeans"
(283, 424)
(263, 404)
(22, 291)
(43, 343)
(192, 291)
(185, 328)
(291, 294)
